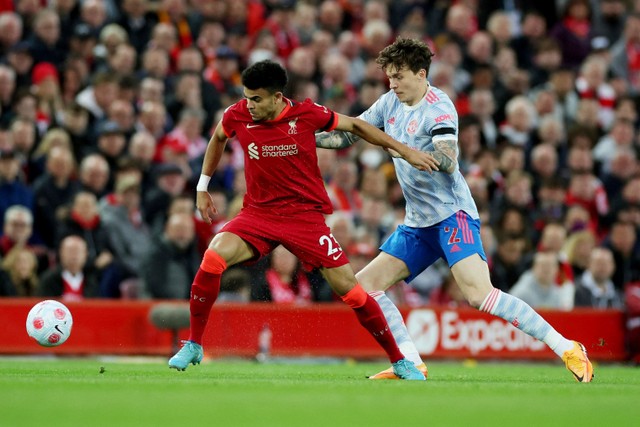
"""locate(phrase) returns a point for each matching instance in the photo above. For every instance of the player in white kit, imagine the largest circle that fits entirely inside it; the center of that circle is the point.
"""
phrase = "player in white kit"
(441, 216)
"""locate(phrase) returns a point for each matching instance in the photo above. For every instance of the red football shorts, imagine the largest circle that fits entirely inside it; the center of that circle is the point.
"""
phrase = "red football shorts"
(306, 235)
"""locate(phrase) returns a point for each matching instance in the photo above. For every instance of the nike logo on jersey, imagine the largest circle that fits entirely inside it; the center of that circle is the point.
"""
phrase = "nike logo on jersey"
(249, 126)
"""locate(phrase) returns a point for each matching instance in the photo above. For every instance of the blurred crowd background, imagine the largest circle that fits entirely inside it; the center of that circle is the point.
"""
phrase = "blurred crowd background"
(106, 107)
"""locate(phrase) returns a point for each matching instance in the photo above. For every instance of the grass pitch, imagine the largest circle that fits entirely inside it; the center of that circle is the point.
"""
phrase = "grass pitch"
(73, 392)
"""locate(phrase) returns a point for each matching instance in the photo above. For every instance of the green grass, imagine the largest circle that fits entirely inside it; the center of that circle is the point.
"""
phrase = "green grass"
(73, 392)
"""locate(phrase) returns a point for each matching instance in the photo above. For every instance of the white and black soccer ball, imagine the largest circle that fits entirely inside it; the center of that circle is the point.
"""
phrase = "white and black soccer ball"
(49, 323)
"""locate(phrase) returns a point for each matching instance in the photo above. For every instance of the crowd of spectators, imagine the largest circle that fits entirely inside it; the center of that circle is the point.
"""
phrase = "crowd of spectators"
(106, 107)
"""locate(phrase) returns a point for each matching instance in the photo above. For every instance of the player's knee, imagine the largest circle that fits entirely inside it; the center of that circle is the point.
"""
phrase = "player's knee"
(213, 263)
(474, 293)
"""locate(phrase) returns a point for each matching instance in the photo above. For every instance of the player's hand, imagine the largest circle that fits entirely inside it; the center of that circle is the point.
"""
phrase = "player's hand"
(204, 203)
(422, 161)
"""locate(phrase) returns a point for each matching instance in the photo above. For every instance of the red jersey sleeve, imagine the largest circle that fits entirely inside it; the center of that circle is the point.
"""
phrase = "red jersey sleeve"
(229, 119)
(327, 120)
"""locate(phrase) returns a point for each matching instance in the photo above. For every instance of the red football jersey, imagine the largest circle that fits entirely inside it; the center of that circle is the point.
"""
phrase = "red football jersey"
(281, 165)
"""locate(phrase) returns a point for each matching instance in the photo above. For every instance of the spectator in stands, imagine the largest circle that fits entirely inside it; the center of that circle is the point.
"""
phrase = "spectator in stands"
(153, 118)
(111, 143)
(95, 175)
(619, 138)
(123, 114)
(190, 61)
(537, 286)
(479, 50)
(53, 191)
(129, 236)
(188, 132)
(512, 220)
(20, 59)
(84, 221)
(7, 90)
(170, 183)
(54, 137)
(82, 43)
(517, 194)
(625, 54)
(72, 279)
(343, 191)
(19, 273)
(138, 21)
(549, 205)
(23, 134)
(609, 22)
(284, 281)
(170, 265)
(235, 286)
(551, 129)
(591, 84)
(373, 180)
(11, 31)
(482, 105)
(469, 141)
(520, 120)
(361, 254)
(509, 261)
(45, 40)
(459, 24)
(595, 288)
(94, 13)
(13, 191)
(622, 241)
(448, 294)
(626, 205)
(75, 121)
(586, 190)
(373, 221)
(574, 32)
(553, 239)
(98, 96)
(17, 228)
(577, 249)
(224, 74)
(534, 28)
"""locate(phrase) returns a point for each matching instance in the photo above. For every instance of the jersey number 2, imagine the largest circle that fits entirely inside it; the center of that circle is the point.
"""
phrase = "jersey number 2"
(454, 232)
(333, 246)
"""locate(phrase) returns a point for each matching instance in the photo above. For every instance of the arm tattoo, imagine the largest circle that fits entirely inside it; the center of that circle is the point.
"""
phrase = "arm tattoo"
(446, 153)
(335, 139)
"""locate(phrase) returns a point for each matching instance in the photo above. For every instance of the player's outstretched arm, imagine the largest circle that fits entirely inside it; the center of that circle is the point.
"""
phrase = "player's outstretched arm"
(445, 152)
(336, 139)
(215, 148)
(420, 160)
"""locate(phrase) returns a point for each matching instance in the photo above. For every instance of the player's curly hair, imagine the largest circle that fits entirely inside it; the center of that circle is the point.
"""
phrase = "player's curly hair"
(268, 75)
(411, 53)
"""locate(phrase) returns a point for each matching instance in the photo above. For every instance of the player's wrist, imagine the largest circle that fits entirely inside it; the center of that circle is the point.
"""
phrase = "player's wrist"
(203, 183)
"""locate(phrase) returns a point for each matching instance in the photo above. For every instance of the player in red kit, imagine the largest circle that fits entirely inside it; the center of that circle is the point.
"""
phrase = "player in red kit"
(285, 202)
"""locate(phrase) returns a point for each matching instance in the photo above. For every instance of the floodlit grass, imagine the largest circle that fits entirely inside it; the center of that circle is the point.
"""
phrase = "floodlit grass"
(73, 392)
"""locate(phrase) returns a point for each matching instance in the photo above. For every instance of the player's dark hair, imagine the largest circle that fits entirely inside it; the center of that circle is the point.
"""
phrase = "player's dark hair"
(410, 53)
(267, 75)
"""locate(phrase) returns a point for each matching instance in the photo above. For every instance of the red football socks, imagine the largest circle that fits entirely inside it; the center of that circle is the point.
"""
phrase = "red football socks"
(371, 317)
(204, 292)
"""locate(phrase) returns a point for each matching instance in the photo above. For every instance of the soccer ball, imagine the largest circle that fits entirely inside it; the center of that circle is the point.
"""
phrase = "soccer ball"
(49, 323)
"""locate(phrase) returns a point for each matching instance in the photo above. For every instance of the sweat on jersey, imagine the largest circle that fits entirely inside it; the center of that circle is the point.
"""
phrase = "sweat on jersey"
(280, 160)
(430, 197)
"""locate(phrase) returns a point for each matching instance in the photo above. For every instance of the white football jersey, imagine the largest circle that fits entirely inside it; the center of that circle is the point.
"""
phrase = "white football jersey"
(430, 197)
